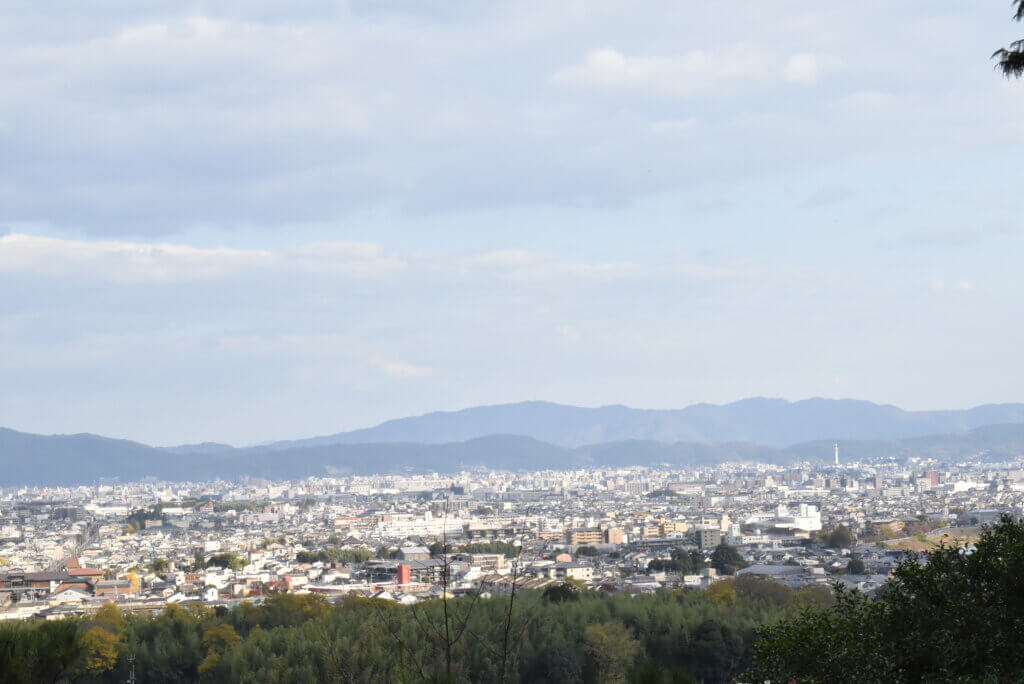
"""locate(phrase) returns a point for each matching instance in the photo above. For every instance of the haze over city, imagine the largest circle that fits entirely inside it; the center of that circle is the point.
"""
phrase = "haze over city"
(275, 222)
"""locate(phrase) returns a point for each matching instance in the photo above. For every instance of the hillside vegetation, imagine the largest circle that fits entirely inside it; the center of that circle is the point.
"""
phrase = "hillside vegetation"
(564, 635)
(952, 615)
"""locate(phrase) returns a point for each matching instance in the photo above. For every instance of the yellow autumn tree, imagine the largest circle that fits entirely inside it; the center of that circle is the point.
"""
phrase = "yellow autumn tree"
(100, 649)
(209, 664)
(216, 641)
(220, 638)
(110, 617)
(722, 592)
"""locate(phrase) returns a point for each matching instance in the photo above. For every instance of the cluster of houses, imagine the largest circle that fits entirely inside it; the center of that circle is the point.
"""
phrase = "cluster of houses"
(148, 544)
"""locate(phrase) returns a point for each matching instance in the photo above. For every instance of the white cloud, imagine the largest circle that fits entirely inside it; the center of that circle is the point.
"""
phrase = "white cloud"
(159, 117)
(187, 28)
(343, 259)
(524, 265)
(137, 262)
(528, 266)
(396, 369)
(123, 261)
(684, 75)
(962, 285)
(569, 333)
(674, 126)
(877, 104)
(692, 72)
(806, 68)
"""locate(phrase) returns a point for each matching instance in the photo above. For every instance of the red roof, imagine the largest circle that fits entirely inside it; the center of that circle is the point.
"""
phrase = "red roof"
(78, 586)
(85, 572)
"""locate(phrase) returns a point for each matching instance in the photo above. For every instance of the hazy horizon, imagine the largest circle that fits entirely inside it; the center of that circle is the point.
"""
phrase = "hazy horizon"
(357, 428)
(256, 223)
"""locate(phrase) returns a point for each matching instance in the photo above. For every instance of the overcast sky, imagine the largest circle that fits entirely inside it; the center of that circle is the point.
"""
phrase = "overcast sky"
(245, 221)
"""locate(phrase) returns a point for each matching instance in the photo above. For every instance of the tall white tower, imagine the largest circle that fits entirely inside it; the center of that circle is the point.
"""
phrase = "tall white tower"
(837, 454)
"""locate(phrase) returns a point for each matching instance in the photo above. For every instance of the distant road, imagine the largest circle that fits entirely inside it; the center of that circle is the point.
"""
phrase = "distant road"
(89, 536)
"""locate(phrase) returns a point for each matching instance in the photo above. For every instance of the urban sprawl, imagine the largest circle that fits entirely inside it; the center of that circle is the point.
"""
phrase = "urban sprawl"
(69, 550)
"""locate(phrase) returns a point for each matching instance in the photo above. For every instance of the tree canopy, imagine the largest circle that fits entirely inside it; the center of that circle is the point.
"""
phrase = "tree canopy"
(953, 614)
(683, 562)
(1011, 59)
(334, 555)
(839, 538)
(591, 637)
(727, 560)
(229, 560)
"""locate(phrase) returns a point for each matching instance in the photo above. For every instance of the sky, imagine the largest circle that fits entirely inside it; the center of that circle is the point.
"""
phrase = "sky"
(247, 221)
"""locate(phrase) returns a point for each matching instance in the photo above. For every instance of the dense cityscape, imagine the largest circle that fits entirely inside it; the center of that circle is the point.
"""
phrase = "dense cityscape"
(67, 551)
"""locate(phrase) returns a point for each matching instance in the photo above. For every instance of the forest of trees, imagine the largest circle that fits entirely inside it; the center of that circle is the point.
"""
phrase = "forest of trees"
(576, 636)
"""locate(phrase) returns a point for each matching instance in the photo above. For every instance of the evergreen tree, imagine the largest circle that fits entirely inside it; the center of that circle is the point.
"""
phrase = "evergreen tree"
(726, 559)
(1011, 59)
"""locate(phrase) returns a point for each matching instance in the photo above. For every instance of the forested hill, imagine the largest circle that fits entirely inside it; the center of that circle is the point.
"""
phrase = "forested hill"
(27, 459)
(773, 422)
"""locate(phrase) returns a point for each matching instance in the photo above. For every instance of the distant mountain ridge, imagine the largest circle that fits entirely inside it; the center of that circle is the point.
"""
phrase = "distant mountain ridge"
(773, 422)
(67, 460)
(539, 435)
